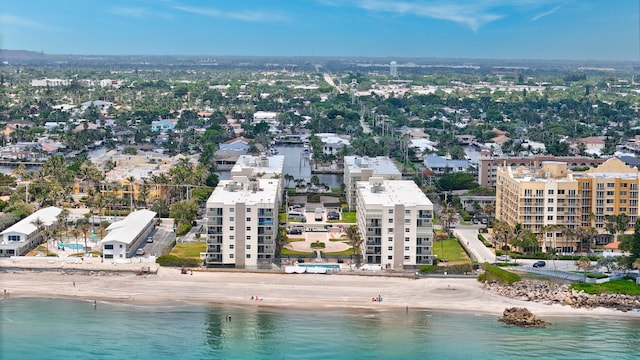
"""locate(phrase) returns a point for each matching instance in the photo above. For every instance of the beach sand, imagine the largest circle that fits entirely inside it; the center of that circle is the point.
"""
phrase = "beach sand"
(313, 291)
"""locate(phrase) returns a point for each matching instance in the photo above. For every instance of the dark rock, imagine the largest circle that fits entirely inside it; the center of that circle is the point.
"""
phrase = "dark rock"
(521, 317)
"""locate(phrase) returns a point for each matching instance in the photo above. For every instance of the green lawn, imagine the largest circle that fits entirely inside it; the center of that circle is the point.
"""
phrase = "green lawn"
(614, 286)
(339, 253)
(349, 217)
(190, 250)
(452, 251)
(286, 251)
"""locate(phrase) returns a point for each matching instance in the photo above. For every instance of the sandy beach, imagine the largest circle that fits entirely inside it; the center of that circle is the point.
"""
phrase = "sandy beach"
(313, 291)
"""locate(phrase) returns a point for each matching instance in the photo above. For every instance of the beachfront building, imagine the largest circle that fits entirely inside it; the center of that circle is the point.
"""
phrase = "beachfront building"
(262, 166)
(362, 168)
(488, 165)
(395, 220)
(126, 236)
(23, 236)
(552, 198)
(440, 165)
(242, 223)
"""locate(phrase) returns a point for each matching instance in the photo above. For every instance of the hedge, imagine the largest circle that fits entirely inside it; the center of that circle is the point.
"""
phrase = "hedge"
(495, 274)
(172, 260)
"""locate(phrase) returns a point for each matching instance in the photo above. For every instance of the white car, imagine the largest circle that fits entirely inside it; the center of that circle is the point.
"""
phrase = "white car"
(140, 252)
(503, 258)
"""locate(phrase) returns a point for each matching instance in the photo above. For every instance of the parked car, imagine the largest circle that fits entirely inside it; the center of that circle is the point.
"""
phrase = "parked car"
(295, 231)
(333, 215)
(475, 221)
(503, 258)
(539, 264)
(149, 239)
(140, 252)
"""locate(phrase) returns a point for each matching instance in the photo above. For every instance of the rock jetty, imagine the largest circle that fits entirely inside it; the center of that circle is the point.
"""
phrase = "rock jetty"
(521, 317)
(551, 293)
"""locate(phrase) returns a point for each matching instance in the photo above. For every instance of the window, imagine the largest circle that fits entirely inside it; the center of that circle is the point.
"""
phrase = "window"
(248, 247)
(390, 248)
(527, 192)
(390, 221)
(550, 208)
(248, 219)
(230, 256)
(231, 218)
(407, 212)
(248, 256)
(550, 192)
(248, 228)
(248, 237)
(407, 230)
(610, 185)
(231, 228)
(120, 246)
(550, 217)
(390, 238)
(609, 193)
(407, 221)
(231, 209)
(232, 237)
(231, 246)
(407, 258)
(560, 192)
(407, 239)
(108, 247)
(539, 192)
(248, 210)
(390, 211)
(550, 201)
(406, 248)
(390, 257)
(389, 230)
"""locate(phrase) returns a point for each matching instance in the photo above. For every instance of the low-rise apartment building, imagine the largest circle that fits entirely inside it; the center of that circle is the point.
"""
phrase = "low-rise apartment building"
(395, 221)
(242, 223)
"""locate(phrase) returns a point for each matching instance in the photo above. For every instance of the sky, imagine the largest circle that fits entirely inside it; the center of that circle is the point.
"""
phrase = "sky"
(494, 29)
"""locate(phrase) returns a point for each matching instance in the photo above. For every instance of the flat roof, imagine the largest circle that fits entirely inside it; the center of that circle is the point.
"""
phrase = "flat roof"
(380, 165)
(127, 229)
(393, 192)
(260, 164)
(240, 189)
(48, 216)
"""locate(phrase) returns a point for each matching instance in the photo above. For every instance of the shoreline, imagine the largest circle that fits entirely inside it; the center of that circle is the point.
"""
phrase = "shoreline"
(282, 291)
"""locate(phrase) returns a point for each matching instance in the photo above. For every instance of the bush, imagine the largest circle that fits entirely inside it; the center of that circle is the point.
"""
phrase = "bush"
(171, 260)
(451, 269)
(484, 241)
(597, 276)
(495, 274)
(318, 244)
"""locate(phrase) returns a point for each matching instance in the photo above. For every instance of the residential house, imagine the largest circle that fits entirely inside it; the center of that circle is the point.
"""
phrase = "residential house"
(23, 236)
(126, 236)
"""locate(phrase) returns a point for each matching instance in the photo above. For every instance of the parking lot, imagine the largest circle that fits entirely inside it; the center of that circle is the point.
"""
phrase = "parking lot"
(161, 238)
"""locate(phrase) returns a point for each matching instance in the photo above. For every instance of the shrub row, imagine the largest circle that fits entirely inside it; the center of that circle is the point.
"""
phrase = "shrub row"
(495, 274)
(172, 260)
(484, 241)
(457, 269)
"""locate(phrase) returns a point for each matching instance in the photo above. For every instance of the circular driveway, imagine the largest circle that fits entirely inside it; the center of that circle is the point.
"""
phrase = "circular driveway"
(311, 237)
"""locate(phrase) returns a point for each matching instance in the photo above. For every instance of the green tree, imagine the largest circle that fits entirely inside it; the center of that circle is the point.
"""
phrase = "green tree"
(184, 213)
(354, 238)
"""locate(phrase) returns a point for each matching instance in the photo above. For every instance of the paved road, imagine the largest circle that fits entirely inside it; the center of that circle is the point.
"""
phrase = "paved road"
(468, 234)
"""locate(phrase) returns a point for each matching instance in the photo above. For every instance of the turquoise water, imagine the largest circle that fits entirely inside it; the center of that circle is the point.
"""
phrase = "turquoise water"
(62, 329)
(71, 246)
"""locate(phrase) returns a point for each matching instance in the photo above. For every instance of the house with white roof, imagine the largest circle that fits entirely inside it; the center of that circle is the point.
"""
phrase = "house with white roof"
(127, 235)
(23, 236)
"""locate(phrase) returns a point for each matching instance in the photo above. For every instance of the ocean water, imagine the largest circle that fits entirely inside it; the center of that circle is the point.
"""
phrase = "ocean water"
(39, 328)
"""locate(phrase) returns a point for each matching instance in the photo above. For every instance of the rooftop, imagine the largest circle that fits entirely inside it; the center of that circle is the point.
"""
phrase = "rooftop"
(240, 189)
(391, 192)
(25, 226)
(126, 230)
(379, 164)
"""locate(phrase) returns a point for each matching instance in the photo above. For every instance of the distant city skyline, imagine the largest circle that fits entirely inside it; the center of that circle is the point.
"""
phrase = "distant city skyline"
(496, 29)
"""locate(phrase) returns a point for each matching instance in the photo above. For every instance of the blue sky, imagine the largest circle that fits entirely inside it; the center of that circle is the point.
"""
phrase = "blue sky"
(501, 29)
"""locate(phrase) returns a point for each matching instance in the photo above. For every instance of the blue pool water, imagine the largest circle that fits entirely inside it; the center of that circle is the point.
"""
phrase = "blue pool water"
(39, 328)
(326, 266)
(71, 246)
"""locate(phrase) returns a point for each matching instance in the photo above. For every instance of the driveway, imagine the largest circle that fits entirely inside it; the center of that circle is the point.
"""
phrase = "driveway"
(468, 235)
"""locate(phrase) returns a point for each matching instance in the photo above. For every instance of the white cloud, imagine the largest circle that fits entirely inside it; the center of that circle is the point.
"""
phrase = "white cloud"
(546, 13)
(471, 13)
(249, 16)
(128, 11)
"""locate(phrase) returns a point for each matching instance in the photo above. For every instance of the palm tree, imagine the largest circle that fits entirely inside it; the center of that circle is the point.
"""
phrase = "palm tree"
(38, 223)
(83, 226)
(75, 232)
(61, 219)
(448, 216)
(131, 180)
(353, 235)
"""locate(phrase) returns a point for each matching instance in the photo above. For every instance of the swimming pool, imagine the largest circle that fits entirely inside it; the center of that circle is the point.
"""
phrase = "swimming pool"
(71, 246)
(326, 266)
